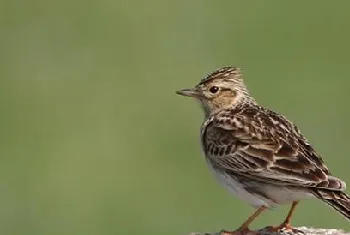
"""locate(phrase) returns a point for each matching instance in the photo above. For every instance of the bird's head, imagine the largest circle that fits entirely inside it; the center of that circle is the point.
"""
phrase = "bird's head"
(221, 89)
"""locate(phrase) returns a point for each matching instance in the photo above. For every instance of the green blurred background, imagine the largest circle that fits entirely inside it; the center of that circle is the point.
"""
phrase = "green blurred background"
(94, 139)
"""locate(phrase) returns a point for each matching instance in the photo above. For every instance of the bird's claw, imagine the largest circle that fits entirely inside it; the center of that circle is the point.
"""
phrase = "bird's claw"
(238, 232)
(283, 227)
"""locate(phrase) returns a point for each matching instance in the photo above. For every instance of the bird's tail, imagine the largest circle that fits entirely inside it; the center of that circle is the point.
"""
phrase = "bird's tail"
(338, 200)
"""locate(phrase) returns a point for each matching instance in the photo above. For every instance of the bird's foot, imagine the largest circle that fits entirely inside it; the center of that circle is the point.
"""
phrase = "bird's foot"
(283, 227)
(240, 231)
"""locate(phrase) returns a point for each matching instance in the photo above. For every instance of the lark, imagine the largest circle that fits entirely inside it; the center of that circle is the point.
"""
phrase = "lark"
(258, 154)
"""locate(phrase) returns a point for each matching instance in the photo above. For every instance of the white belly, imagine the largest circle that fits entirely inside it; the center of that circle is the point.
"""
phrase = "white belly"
(271, 195)
(238, 190)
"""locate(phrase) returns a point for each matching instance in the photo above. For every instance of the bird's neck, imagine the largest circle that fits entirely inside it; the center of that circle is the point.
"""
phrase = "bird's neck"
(210, 110)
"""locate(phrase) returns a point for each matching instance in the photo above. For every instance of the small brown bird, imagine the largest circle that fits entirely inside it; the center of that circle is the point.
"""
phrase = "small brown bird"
(258, 154)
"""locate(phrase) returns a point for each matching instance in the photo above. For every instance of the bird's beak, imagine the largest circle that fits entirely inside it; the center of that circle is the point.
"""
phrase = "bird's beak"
(189, 92)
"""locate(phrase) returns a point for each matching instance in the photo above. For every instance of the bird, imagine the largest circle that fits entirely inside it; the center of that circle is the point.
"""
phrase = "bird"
(258, 154)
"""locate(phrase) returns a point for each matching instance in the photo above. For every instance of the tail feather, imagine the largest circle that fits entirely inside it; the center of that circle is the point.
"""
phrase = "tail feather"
(338, 200)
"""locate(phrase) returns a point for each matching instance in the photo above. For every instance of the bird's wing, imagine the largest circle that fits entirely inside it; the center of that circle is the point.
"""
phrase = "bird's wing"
(264, 146)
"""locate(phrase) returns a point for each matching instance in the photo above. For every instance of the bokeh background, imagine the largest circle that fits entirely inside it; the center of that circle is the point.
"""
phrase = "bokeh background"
(94, 139)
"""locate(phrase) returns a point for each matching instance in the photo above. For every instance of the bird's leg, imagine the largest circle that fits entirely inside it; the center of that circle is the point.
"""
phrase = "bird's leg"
(251, 218)
(286, 223)
(244, 228)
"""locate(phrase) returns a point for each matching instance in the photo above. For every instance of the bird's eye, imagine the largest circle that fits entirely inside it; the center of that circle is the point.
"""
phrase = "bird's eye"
(214, 89)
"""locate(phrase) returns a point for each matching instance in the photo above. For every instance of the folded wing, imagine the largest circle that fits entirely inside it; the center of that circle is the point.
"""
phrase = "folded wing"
(265, 146)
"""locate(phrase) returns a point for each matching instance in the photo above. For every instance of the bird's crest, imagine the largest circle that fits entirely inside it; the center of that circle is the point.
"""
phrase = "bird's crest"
(229, 73)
